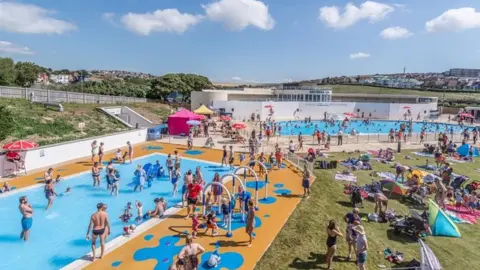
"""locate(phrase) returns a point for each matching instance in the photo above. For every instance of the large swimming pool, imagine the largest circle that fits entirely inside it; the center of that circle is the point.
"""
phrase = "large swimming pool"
(57, 237)
(374, 127)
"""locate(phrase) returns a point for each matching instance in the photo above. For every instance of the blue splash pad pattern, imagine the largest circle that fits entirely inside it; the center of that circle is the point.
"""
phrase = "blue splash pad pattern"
(194, 152)
(152, 148)
(268, 200)
(269, 166)
(229, 260)
(148, 237)
(252, 184)
(116, 263)
(164, 253)
(283, 191)
(278, 185)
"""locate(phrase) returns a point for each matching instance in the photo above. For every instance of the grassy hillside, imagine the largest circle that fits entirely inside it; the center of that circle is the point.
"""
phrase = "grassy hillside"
(47, 126)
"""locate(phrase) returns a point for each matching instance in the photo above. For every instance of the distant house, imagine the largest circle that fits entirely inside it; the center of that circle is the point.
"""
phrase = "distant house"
(42, 78)
(452, 84)
(61, 78)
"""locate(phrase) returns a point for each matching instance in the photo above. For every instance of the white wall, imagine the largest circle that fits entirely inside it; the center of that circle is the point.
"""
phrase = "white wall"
(48, 156)
(285, 110)
(113, 110)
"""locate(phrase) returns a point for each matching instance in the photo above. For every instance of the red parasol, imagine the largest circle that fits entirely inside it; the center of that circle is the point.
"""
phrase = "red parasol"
(466, 115)
(239, 126)
(225, 118)
(407, 107)
(351, 114)
(268, 106)
(20, 145)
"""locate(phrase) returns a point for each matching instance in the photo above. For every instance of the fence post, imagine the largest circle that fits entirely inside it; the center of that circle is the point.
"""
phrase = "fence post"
(84, 98)
(48, 95)
(25, 94)
(113, 99)
(68, 97)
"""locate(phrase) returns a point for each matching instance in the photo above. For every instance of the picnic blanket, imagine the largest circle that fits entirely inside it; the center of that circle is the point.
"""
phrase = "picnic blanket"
(464, 213)
(458, 219)
(387, 176)
(422, 154)
(345, 177)
(373, 152)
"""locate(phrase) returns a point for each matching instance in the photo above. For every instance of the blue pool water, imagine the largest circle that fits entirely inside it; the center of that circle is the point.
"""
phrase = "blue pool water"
(57, 237)
(382, 127)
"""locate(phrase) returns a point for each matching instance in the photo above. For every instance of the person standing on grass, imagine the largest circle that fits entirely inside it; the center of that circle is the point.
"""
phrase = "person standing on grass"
(306, 182)
(27, 217)
(130, 152)
(94, 149)
(250, 222)
(100, 227)
(351, 236)
(361, 247)
(332, 233)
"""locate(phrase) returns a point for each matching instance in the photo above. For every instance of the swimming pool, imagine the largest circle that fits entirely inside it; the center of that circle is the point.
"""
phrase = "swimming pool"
(57, 237)
(375, 127)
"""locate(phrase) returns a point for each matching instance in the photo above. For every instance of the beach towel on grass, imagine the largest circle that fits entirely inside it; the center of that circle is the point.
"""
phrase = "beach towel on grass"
(387, 175)
(460, 219)
(345, 177)
(373, 152)
(464, 213)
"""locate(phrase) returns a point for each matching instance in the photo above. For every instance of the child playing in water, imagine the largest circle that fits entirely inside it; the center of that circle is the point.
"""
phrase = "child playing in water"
(194, 225)
(128, 230)
(139, 211)
(225, 212)
(211, 223)
(125, 217)
(59, 178)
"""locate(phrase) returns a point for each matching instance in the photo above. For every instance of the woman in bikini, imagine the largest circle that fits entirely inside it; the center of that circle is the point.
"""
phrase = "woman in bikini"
(49, 193)
(332, 233)
(94, 149)
(96, 174)
(100, 153)
(198, 177)
(189, 254)
(250, 223)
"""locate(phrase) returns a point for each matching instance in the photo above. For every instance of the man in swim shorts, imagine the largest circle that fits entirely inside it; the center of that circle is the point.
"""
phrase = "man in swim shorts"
(100, 226)
(130, 152)
(27, 219)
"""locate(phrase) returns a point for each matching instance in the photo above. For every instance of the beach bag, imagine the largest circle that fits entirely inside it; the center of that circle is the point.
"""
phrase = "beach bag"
(213, 260)
(373, 217)
(333, 164)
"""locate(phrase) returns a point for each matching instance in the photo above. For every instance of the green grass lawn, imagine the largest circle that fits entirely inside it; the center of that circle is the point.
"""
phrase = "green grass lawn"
(302, 242)
(449, 95)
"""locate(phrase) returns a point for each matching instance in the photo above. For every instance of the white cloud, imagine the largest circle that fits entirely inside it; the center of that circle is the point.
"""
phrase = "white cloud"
(166, 20)
(10, 48)
(237, 15)
(455, 20)
(369, 10)
(108, 16)
(359, 55)
(237, 79)
(30, 19)
(396, 32)
(399, 5)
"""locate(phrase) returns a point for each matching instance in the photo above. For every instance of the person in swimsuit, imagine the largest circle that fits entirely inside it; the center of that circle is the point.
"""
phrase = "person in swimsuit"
(250, 223)
(100, 227)
(113, 181)
(175, 177)
(332, 233)
(193, 190)
(49, 193)
(141, 176)
(380, 201)
(100, 153)
(217, 190)
(169, 164)
(27, 217)
(48, 176)
(187, 180)
(130, 152)
(178, 158)
(224, 156)
(198, 176)
(160, 207)
(96, 174)
(94, 149)
(189, 254)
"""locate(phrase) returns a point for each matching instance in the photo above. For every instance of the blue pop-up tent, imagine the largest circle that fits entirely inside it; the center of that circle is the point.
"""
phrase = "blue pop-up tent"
(463, 151)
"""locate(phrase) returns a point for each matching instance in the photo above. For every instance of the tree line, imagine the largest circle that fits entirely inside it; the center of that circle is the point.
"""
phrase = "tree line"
(24, 74)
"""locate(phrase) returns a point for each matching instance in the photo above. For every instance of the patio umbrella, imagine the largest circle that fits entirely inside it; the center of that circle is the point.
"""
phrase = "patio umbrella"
(193, 122)
(406, 107)
(466, 115)
(268, 106)
(225, 118)
(20, 145)
(239, 126)
(395, 188)
(351, 114)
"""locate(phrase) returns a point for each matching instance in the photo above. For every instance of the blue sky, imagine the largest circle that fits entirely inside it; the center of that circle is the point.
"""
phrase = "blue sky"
(244, 40)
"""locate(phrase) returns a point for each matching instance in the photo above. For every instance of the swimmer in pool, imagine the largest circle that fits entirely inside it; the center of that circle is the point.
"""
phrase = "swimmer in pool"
(49, 193)
(175, 177)
(27, 217)
(100, 227)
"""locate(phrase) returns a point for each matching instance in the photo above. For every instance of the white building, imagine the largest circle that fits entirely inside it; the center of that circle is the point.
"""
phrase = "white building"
(61, 78)
(312, 102)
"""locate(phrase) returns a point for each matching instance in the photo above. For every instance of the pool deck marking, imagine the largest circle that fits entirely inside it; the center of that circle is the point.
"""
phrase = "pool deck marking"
(122, 248)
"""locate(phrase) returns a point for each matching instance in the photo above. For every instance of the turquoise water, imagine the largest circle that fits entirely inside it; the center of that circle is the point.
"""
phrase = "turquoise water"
(375, 127)
(57, 237)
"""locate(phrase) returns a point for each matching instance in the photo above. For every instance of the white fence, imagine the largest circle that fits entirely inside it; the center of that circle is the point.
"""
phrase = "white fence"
(47, 95)
(50, 155)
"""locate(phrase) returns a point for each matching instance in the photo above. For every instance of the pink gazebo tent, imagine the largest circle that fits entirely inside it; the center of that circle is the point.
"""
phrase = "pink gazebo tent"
(177, 122)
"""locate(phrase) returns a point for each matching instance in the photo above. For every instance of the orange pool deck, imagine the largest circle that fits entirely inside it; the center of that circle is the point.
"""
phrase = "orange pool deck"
(273, 216)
